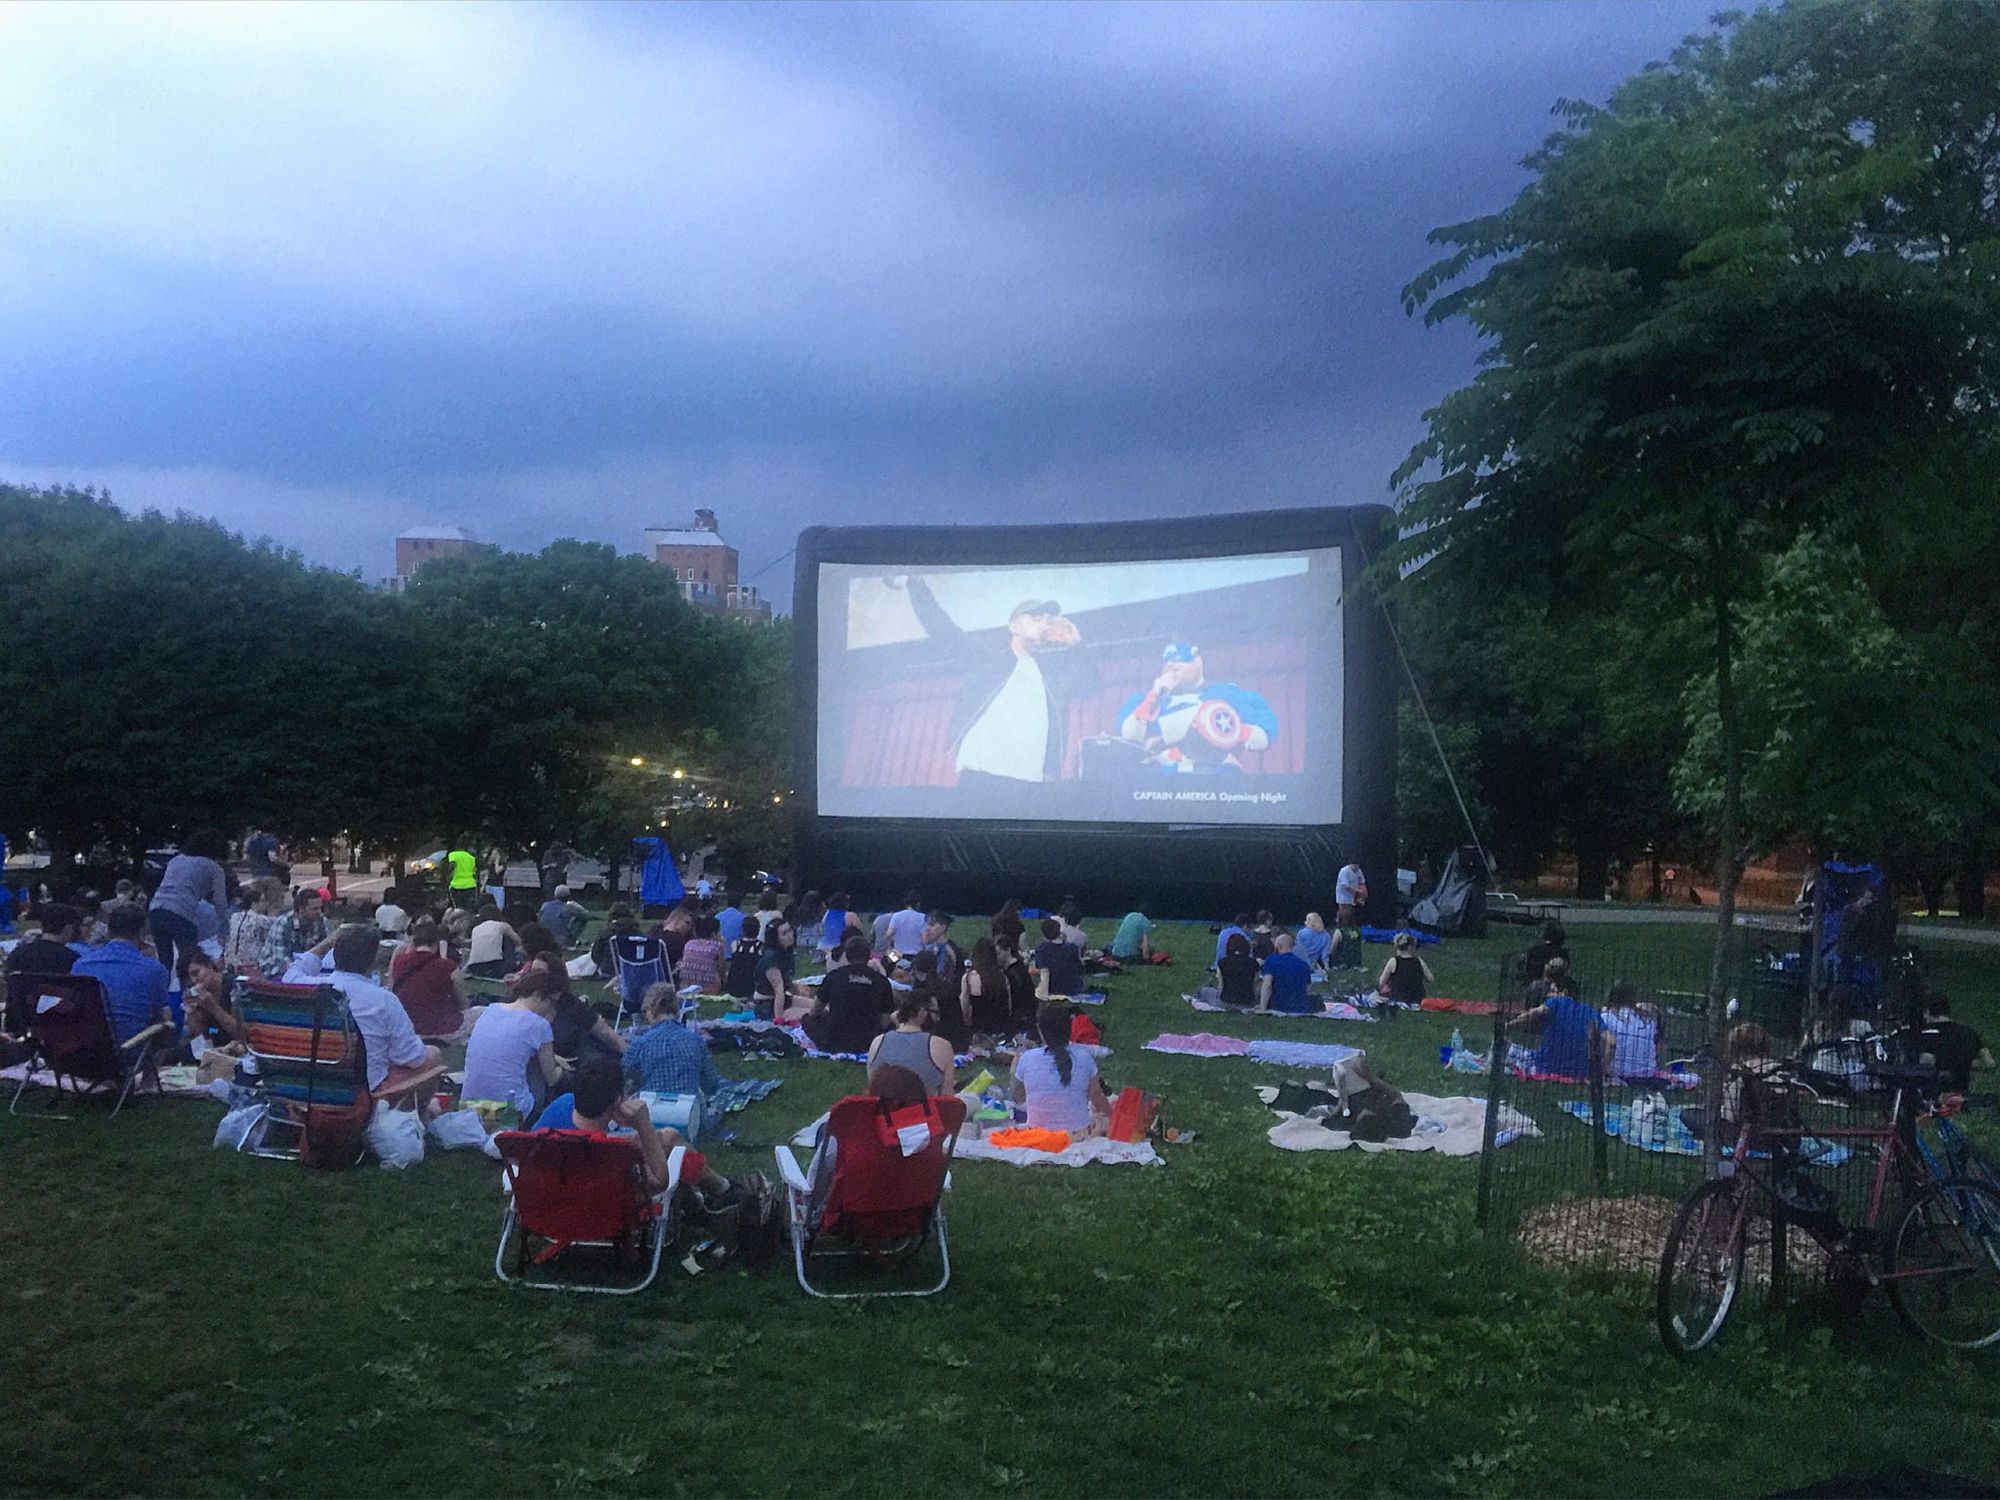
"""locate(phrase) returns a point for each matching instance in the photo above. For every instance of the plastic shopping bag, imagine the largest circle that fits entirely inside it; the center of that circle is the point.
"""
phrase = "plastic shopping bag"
(395, 1136)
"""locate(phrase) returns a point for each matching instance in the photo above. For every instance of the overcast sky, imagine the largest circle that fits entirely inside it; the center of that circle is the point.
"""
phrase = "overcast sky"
(542, 270)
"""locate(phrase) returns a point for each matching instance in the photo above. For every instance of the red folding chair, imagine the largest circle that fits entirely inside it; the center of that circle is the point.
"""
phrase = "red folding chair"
(577, 1187)
(68, 1030)
(875, 1189)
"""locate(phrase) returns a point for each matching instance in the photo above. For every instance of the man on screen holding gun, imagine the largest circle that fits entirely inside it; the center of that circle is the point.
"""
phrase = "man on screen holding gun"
(1190, 724)
(1012, 716)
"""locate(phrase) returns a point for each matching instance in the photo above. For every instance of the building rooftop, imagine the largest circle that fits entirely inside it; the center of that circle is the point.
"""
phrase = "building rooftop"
(674, 536)
(435, 534)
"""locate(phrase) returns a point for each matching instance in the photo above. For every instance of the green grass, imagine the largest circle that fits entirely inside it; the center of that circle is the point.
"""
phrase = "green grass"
(1240, 1321)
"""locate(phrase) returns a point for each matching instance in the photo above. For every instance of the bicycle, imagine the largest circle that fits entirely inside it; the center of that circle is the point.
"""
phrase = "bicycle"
(1940, 1264)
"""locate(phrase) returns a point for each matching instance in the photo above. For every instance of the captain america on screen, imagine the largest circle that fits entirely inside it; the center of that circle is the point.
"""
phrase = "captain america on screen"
(1187, 724)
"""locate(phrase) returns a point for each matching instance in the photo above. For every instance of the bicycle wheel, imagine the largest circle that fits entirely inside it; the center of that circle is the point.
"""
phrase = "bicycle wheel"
(1701, 1270)
(1943, 1265)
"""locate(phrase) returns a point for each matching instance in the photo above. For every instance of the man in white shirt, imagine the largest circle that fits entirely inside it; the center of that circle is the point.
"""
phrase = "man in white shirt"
(906, 927)
(392, 1043)
(392, 919)
(1350, 893)
(1010, 723)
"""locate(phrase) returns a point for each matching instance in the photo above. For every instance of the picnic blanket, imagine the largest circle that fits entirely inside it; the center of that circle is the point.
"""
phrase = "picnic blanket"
(1333, 1010)
(177, 1081)
(1454, 1126)
(1673, 1138)
(1290, 1054)
(1083, 1153)
(1463, 1007)
(741, 1093)
(1199, 1044)
(1520, 1064)
(1390, 934)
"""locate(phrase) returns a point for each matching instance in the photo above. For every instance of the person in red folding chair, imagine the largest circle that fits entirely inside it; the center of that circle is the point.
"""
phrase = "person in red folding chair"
(875, 1188)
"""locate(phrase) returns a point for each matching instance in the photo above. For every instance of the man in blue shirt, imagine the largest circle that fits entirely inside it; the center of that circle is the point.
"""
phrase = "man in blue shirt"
(135, 984)
(730, 919)
(666, 1057)
(1285, 979)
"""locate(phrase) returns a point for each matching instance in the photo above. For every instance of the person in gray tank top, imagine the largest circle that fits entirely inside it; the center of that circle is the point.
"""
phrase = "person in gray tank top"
(912, 1045)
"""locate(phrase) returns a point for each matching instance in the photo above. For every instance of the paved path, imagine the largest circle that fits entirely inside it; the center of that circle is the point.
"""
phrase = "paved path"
(1920, 928)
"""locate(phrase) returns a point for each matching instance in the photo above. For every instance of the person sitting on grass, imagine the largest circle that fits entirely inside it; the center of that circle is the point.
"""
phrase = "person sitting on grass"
(1059, 1082)
(1072, 927)
(1313, 942)
(702, 958)
(854, 1003)
(1133, 943)
(511, 1055)
(983, 993)
(579, 1025)
(1284, 980)
(1263, 936)
(564, 917)
(495, 947)
(947, 1001)
(665, 1057)
(1023, 998)
(1564, 1026)
(739, 973)
(429, 985)
(1952, 1047)
(1405, 979)
(775, 970)
(1240, 924)
(599, 1103)
(1631, 1035)
(912, 1044)
(205, 1008)
(300, 930)
(1058, 961)
(243, 948)
(1237, 971)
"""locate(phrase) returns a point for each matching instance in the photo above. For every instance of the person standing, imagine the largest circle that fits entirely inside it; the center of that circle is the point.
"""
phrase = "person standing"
(193, 876)
(1350, 894)
(260, 853)
(464, 878)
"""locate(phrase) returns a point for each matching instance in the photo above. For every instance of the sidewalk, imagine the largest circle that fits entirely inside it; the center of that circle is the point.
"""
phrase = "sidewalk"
(1922, 928)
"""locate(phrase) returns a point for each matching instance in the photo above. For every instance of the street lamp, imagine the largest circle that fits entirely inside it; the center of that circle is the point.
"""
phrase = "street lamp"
(638, 760)
(679, 774)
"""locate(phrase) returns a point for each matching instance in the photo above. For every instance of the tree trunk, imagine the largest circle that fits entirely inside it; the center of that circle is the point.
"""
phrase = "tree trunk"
(1654, 893)
(1593, 864)
(1728, 869)
(1971, 883)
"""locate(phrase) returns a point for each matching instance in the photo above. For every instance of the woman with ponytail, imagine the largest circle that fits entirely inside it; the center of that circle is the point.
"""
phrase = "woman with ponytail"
(1058, 1082)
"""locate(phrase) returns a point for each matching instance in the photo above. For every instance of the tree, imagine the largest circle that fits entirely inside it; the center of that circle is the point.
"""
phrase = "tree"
(1752, 296)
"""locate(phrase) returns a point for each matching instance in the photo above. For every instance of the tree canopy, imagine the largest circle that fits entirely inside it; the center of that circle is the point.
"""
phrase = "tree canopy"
(167, 674)
(1741, 357)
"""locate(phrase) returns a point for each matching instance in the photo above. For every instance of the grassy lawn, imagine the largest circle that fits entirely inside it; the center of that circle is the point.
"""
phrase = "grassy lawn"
(1240, 1321)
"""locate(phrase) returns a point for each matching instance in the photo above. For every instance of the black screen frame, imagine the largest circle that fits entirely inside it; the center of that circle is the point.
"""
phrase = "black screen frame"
(1180, 867)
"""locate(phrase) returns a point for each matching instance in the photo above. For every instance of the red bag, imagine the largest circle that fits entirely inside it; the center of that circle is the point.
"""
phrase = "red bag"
(1083, 1029)
(1132, 1115)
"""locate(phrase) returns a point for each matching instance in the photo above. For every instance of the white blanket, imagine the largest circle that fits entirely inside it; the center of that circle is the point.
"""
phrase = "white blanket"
(1453, 1127)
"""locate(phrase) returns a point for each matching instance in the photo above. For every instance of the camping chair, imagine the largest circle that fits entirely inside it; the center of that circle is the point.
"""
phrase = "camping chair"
(68, 1030)
(310, 1057)
(576, 1187)
(638, 962)
(863, 1197)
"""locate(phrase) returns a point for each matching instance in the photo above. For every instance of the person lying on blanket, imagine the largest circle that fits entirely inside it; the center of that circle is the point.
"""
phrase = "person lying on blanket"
(1058, 1082)
(598, 1102)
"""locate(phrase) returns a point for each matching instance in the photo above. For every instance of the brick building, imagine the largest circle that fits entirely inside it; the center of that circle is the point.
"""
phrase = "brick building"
(704, 566)
(422, 544)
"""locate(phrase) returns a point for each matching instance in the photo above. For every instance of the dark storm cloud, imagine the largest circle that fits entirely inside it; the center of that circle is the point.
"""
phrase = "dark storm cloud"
(542, 271)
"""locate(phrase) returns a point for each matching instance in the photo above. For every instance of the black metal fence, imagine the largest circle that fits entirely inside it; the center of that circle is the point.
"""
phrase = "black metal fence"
(1619, 1146)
